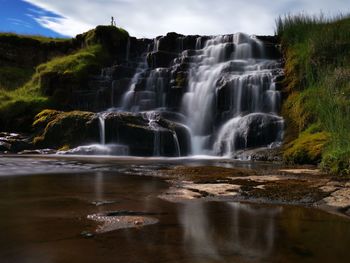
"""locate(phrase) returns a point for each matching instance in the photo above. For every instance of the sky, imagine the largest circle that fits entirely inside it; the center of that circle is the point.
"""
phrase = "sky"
(150, 18)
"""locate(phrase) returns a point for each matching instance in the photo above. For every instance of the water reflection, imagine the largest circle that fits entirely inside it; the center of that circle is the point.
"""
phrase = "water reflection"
(42, 216)
(245, 230)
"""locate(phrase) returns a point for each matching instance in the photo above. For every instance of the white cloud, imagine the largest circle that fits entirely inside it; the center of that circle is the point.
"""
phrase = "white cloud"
(149, 18)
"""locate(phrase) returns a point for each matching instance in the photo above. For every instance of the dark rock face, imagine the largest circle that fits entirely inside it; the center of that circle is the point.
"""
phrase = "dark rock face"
(147, 137)
(160, 59)
(144, 136)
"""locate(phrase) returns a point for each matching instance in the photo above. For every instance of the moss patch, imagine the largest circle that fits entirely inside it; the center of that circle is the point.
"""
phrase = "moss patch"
(307, 148)
(64, 129)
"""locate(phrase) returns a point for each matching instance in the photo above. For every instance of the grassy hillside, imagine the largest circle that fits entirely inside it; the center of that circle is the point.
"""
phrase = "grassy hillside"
(28, 89)
(317, 86)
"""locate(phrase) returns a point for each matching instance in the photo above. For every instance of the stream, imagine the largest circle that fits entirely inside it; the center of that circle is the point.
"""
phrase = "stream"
(47, 205)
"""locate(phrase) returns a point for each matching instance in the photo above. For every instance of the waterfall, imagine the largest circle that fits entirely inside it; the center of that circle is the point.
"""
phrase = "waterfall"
(128, 98)
(223, 87)
(101, 122)
(152, 118)
(248, 88)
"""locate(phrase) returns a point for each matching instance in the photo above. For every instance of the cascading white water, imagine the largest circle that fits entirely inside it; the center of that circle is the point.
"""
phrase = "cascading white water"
(177, 144)
(224, 87)
(153, 119)
(102, 129)
(249, 85)
(129, 97)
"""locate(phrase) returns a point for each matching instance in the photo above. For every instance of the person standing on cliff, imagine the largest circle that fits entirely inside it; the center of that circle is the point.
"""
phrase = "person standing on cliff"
(113, 22)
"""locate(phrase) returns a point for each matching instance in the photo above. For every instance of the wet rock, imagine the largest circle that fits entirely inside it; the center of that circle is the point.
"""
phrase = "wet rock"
(121, 219)
(98, 149)
(143, 134)
(119, 72)
(170, 42)
(160, 59)
(264, 154)
(147, 137)
(258, 129)
(39, 151)
(57, 129)
(87, 234)
(13, 142)
(250, 131)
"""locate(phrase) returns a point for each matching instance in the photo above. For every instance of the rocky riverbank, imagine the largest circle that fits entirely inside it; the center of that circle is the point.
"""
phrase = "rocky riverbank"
(305, 186)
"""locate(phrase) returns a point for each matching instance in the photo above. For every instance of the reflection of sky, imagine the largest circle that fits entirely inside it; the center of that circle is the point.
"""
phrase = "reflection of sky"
(248, 231)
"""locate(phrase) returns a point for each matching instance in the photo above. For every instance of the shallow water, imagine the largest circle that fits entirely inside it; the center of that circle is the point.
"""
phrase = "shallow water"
(43, 215)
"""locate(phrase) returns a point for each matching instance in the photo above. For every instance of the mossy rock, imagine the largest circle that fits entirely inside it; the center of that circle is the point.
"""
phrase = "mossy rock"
(57, 129)
(307, 148)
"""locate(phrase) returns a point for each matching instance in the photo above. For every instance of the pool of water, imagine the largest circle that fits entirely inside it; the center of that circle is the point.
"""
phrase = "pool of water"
(43, 216)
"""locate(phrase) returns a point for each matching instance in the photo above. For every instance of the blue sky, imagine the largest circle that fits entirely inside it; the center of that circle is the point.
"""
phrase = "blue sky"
(150, 18)
(18, 16)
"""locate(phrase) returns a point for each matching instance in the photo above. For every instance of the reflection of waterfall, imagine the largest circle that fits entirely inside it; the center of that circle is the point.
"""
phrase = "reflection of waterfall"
(246, 230)
(194, 220)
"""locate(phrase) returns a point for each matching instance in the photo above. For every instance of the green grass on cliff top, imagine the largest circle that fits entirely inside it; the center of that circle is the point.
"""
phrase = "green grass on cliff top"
(317, 69)
(42, 39)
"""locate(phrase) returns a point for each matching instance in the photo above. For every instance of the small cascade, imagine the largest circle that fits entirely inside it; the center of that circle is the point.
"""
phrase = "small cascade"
(128, 99)
(177, 144)
(155, 45)
(102, 129)
(153, 118)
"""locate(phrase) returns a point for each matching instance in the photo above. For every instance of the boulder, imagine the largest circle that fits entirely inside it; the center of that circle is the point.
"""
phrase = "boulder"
(249, 131)
(57, 129)
(258, 129)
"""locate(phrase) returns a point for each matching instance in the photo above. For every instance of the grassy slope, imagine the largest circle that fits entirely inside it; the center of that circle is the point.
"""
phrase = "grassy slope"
(14, 76)
(317, 109)
(19, 104)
